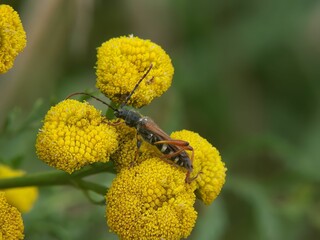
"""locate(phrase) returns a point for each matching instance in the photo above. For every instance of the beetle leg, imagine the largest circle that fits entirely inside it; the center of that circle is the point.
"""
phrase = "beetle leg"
(139, 142)
(175, 142)
(180, 143)
(188, 179)
(116, 123)
(183, 145)
(172, 154)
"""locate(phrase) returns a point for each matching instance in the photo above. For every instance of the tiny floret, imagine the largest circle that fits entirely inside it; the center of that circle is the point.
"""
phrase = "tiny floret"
(208, 169)
(22, 198)
(75, 134)
(11, 224)
(151, 201)
(122, 61)
(12, 37)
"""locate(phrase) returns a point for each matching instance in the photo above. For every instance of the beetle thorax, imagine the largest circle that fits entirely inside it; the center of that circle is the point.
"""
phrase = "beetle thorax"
(130, 117)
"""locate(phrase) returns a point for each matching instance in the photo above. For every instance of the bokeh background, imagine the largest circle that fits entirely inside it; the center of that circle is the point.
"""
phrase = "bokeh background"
(246, 78)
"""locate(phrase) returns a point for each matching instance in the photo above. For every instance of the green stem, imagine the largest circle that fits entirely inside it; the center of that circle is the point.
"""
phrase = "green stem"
(54, 178)
(97, 188)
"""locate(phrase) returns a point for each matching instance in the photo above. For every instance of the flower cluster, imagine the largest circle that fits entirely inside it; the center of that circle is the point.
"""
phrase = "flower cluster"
(11, 224)
(75, 134)
(12, 37)
(209, 171)
(123, 61)
(149, 197)
(151, 201)
(22, 198)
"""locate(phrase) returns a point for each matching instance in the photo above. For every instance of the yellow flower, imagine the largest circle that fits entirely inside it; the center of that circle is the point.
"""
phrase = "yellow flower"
(74, 134)
(209, 170)
(151, 201)
(122, 61)
(22, 198)
(12, 37)
(11, 224)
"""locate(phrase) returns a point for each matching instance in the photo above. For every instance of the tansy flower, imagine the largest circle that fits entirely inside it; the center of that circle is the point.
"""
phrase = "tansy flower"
(12, 37)
(74, 134)
(22, 198)
(208, 169)
(151, 201)
(11, 224)
(122, 61)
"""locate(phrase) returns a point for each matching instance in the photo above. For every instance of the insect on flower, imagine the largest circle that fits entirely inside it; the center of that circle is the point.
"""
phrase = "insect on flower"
(172, 149)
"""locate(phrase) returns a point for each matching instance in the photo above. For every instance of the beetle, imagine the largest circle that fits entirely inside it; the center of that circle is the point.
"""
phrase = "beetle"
(172, 149)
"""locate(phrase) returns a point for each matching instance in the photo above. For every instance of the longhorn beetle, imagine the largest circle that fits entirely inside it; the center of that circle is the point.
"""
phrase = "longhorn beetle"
(172, 149)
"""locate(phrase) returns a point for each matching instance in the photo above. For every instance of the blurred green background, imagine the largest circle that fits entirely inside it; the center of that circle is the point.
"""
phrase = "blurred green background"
(246, 78)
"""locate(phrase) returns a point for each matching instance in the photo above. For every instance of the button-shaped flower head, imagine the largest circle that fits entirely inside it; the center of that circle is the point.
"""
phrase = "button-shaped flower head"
(208, 169)
(11, 224)
(151, 201)
(22, 198)
(12, 37)
(74, 134)
(121, 62)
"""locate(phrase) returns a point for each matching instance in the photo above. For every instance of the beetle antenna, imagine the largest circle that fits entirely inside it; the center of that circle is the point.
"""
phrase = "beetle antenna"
(136, 86)
(98, 99)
